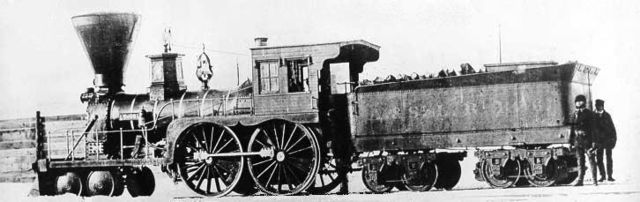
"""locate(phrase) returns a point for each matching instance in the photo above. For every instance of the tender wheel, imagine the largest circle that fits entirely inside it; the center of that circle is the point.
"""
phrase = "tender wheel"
(295, 162)
(547, 177)
(571, 162)
(370, 179)
(198, 170)
(101, 183)
(424, 180)
(502, 177)
(69, 182)
(140, 182)
(327, 178)
(449, 172)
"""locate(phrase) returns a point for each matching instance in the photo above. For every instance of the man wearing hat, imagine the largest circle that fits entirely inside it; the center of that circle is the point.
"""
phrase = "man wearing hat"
(607, 139)
(581, 138)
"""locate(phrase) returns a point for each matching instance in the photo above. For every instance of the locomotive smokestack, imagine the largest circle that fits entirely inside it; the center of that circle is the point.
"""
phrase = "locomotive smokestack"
(106, 38)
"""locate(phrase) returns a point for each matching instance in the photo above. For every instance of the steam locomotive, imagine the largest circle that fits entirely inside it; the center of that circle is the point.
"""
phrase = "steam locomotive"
(278, 134)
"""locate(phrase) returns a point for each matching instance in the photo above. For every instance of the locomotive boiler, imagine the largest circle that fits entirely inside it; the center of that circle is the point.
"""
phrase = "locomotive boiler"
(278, 133)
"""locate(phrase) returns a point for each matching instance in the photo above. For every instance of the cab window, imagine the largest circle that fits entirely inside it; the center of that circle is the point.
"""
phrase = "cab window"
(268, 71)
(298, 75)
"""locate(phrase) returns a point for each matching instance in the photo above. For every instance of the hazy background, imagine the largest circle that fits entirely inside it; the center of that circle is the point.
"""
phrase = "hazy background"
(43, 65)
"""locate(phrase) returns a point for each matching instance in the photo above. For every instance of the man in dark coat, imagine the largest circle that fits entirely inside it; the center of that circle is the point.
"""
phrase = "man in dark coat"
(341, 146)
(606, 140)
(581, 139)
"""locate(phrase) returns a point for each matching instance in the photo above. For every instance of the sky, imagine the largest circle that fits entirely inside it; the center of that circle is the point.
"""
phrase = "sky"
(43, 65)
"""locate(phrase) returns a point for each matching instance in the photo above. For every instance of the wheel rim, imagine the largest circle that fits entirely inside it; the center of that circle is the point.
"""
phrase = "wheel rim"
(370, 178)
(210, 176)
(295, 161)
(547, 178)
(509, 177)
(424, 180)
(100, 183)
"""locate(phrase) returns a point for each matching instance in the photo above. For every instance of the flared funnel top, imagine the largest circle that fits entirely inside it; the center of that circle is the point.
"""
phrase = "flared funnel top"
(106, 38)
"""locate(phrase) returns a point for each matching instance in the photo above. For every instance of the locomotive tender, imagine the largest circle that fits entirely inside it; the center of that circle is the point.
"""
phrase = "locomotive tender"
(274, 135)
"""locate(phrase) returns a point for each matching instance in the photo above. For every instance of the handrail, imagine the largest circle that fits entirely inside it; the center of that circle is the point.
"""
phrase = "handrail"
(86, 130)
(200, 107)
(16, 129)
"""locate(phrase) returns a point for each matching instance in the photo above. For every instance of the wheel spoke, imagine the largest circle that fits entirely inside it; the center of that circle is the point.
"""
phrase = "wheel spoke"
(217, 142)
(269, 141)
(295, 127)
(283, 130)
(209, 182)
(196, 173)
(225, 145)
(198, 142)
(265, 170)
(275, 136)
(221, 167)
(202, 178)
(322, 180)
(206, 144)
(299, 150)
(193, 166)
(217, 180)
(211, 139)
(261, 162)
(297, 166)
(271, 176)
(295, 177)
(286, 178)
(193, 148)
(295, 143)
(279, 181)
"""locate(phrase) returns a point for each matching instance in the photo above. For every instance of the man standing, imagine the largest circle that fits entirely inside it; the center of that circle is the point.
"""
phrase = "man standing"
(341, 146)
(581, 138)
(607, 134)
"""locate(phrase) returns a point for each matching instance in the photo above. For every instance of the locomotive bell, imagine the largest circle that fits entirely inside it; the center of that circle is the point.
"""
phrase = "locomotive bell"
(106, 37)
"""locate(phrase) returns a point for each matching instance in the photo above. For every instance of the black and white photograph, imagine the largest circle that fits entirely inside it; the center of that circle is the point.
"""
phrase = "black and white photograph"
(319, 100)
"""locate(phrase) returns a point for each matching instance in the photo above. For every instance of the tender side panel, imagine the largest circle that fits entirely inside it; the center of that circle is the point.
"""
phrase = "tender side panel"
(491, 109)
(460, 109)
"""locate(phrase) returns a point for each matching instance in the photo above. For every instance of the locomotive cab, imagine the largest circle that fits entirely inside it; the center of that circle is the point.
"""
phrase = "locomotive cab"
(297, 80)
